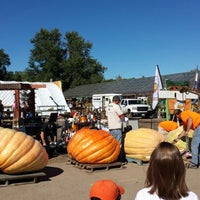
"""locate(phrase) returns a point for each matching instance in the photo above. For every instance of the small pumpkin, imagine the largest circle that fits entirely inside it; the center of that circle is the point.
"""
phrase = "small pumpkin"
(140, 143)
(93, 146)
(20, 153)
(180, 144)
(168, 125)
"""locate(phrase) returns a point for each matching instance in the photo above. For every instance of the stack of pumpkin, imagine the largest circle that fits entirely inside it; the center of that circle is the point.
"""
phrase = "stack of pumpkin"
(20, 153)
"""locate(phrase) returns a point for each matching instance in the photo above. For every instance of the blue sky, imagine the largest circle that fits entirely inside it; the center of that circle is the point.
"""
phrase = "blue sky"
(129, 37)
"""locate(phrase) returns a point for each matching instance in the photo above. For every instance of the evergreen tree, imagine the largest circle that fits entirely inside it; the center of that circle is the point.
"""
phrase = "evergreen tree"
(68, 61)
(4, 63)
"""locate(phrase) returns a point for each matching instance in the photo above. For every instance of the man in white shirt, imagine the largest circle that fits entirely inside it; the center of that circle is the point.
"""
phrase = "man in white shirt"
(115, 118)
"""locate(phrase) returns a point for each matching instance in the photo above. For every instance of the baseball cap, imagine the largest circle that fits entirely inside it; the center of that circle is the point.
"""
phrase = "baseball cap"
(106, 190)
(116, 98)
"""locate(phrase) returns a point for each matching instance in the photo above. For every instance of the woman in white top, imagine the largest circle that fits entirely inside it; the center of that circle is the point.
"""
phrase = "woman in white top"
(165, 178)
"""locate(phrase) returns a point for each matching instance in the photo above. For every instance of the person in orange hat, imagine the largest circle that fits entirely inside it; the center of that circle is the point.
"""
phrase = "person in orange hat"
(106, 190)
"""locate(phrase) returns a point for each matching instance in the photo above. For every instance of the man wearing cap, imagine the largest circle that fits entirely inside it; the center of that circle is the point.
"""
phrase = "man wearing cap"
(115, 117)
(106, 190)
(190, 120)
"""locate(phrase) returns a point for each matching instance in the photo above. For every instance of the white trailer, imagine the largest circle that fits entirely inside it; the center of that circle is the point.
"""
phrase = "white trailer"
(100, 101)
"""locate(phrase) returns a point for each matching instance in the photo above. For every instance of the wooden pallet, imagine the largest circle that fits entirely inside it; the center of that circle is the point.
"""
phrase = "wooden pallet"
(134, 160)
(20, 179)
(140, 162)
(96, 167)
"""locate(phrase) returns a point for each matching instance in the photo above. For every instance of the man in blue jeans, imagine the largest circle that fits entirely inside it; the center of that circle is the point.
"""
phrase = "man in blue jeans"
(115, 119)
(191, 120)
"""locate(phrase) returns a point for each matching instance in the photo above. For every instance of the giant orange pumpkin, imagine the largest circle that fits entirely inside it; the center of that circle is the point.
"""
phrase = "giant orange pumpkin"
(93, 146)
(20, 153)
(168, 125)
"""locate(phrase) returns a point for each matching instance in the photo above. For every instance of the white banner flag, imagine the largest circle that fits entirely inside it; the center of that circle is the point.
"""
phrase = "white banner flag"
(196, 80)
(156, 88)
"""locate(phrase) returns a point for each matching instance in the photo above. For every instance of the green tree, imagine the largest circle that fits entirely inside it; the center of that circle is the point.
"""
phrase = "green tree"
(4, 63)
(46, 57)
(68, 61)
(15, 76)
(80, 67)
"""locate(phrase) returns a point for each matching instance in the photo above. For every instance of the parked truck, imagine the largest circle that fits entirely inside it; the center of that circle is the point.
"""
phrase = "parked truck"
(136, 107)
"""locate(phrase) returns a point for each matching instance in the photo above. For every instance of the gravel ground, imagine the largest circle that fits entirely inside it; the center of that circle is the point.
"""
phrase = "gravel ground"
(65, 181)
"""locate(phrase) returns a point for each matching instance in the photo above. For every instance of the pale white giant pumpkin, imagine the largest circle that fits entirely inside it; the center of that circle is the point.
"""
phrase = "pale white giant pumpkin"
(20, 153)
(140, 143)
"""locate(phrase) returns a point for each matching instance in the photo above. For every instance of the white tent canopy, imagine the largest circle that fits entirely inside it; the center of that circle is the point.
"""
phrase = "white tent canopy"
(47, 100)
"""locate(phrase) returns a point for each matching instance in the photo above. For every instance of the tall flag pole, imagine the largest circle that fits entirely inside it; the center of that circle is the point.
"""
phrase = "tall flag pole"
(166, 104)
(158, 85)
(196, 81)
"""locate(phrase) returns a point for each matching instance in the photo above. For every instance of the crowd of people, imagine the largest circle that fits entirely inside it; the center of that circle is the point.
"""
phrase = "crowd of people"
(76, 120)
(165, 176)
